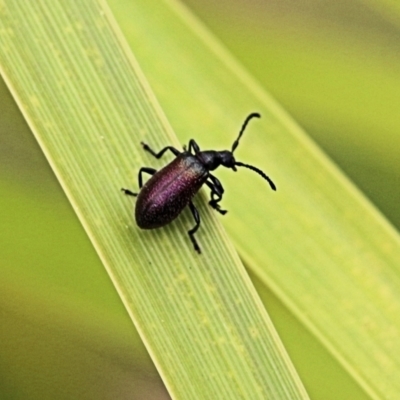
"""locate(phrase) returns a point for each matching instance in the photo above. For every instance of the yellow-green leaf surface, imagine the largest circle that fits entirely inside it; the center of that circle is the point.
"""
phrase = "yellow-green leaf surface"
(89, 106)
(319, 244)
(389, 9)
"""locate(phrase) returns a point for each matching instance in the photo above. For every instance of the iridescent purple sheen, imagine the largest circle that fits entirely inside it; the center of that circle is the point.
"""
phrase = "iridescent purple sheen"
(169, 191)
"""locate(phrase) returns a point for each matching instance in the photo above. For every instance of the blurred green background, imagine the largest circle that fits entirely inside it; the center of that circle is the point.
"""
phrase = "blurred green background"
(333, 65)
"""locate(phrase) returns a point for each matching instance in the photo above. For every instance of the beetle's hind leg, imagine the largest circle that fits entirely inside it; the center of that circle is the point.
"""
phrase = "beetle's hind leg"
(147, 148)
(192, 231)
(129, 193)
(150, 171)
(216, 194)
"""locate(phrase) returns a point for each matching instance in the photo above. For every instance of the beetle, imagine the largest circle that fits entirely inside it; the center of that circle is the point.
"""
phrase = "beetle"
(163, 197)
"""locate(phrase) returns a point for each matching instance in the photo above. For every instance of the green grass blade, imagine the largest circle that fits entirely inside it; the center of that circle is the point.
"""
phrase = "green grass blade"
(89, 107)
(318, 243)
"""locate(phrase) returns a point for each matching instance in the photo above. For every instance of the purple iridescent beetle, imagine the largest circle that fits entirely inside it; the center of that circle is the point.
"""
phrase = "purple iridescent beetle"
(163, 197)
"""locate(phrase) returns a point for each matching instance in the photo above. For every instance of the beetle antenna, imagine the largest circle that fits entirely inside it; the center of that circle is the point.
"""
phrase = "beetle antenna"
(259, 172)
(236, 142)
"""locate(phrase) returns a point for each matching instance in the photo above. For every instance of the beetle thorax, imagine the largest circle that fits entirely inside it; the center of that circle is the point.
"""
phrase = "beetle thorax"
(212, 159)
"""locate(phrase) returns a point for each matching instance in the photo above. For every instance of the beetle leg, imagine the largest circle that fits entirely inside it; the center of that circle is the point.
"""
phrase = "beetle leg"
(128, 192)
(192, 231)
(216, 194)
(161, 152)
(150, 171)
(193, 146)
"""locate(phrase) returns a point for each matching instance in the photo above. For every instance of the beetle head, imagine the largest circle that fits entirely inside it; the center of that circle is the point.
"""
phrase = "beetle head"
(227, 159)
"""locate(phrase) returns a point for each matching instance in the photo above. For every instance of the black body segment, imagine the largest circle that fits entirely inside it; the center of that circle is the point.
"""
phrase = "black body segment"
(169, 190)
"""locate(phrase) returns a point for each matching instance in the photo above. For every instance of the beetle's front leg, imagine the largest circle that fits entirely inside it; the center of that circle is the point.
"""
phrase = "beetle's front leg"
(216, 194)
(193, 146)
(146, 147)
